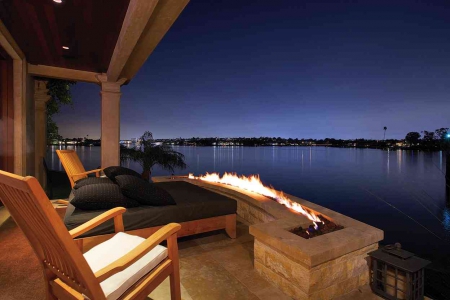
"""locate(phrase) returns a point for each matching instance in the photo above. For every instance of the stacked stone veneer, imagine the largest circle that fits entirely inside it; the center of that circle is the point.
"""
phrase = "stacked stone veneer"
(324, 267)
(328, 280)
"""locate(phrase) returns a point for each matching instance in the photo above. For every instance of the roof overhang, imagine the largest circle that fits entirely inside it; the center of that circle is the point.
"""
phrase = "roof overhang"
(143, 26)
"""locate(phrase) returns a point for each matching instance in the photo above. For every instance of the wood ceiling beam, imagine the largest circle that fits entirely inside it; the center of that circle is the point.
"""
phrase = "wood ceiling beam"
(162, 18)
(136, 19)
(8, 43)
(62, 73)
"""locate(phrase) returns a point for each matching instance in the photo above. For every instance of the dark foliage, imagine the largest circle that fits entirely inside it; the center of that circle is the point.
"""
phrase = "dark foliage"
(59, 91)
(148, 154)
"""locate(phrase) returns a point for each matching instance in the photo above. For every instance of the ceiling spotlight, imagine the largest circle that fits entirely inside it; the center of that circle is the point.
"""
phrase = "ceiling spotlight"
(57, 1)
(65, 47)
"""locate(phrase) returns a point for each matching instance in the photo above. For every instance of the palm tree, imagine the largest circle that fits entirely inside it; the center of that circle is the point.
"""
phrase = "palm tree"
(148, 154)
(385, 128)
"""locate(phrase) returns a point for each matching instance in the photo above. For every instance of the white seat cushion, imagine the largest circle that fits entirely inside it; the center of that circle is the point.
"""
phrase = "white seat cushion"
(107, 252)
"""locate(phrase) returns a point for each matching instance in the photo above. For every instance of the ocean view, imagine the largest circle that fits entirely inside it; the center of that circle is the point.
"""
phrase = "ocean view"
(400, 192)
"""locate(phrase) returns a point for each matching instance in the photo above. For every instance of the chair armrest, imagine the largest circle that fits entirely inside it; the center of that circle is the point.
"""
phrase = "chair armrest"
(97, 171)
(62, 202)
(135, 254)
(115, 213)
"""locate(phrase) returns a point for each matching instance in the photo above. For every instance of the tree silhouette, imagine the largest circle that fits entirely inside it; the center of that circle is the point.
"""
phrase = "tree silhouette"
(412, 138)
(385, 128)
(149, 154)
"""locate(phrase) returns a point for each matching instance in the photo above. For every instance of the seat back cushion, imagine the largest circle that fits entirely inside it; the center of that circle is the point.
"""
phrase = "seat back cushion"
(146, 193)
(101, 196)
(114, 171)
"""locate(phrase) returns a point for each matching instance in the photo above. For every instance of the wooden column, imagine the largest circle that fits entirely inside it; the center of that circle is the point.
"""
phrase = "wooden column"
(110, 124)
(6, 113)
(20, 133)
(41, 98)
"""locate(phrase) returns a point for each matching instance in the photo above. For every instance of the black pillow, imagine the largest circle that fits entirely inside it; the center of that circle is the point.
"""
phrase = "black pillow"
(101, 196)
(112, 172)
(144, 192)
(92, 180)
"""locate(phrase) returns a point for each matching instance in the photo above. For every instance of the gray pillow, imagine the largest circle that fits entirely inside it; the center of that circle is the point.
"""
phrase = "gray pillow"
(144, 192)
(101, 196)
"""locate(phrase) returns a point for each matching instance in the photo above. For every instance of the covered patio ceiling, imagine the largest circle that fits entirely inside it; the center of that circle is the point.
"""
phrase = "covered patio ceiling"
(88, 28)
(99, 41)
(90, 37)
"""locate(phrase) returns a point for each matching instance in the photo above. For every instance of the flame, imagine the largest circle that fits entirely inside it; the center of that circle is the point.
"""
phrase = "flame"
(253, 183)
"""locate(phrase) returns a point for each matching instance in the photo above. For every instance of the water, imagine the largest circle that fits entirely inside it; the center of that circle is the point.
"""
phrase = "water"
(364, 184)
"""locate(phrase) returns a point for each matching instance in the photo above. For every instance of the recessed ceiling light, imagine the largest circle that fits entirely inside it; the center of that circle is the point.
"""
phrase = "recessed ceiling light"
(65, 47)
(57, 1)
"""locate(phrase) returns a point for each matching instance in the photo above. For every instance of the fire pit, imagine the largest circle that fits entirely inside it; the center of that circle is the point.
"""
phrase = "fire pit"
(320, 225)
(323, 227)
(329, 265)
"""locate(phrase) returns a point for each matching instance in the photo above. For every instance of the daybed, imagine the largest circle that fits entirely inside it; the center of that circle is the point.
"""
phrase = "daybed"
(197, 210)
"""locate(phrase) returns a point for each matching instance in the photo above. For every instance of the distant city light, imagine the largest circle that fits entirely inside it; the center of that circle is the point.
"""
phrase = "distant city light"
(57, 1)
(65, 47)
(448, 135)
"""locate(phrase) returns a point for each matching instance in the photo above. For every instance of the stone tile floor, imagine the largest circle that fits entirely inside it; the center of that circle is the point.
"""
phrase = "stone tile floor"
(213, 266)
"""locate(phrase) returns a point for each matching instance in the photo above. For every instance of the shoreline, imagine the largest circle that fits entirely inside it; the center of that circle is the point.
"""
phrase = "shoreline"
(392, 148)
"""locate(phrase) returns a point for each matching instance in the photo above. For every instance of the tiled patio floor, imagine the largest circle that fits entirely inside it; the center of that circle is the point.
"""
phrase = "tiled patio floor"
(213, 266)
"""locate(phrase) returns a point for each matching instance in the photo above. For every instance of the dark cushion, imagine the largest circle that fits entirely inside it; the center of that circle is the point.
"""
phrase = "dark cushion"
(101, 196)
(92, 180)
(193, 203)
(114, 171)
(144, 192)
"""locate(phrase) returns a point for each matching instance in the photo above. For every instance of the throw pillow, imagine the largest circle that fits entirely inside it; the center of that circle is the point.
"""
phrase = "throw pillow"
(101, 196)
(144, 192)
(114, 171)
(92, 180)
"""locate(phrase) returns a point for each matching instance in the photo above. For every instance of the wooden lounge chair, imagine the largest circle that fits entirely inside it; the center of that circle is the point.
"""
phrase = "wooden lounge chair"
(73, 166)
(124, 267)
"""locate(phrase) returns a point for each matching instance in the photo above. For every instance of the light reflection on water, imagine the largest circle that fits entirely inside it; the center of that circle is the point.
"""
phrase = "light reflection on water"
(339, 179)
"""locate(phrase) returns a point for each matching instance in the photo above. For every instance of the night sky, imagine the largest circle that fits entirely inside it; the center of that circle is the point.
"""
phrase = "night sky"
(288, 68)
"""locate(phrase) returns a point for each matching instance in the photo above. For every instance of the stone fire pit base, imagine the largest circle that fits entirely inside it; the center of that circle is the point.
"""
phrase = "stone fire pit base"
(324, 267)
(325, 281)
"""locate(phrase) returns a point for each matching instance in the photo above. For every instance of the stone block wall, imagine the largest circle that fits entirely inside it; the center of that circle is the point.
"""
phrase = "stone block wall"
(322, 282)
(253, 214)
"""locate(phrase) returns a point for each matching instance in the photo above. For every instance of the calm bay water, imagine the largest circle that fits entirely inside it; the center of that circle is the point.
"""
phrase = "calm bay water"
(400, 192)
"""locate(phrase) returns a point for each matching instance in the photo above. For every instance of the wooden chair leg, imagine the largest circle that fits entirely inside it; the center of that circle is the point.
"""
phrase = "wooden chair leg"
(230, 225)
(175, 284)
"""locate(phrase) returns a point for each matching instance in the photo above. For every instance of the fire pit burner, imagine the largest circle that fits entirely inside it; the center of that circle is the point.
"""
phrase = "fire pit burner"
(320, 225)
(322, 228)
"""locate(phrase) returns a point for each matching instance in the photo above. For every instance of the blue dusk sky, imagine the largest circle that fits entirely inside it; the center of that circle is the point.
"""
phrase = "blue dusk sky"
(288, 68)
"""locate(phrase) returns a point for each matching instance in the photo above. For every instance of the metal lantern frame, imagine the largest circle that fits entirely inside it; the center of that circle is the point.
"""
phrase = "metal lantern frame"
(397, 274)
